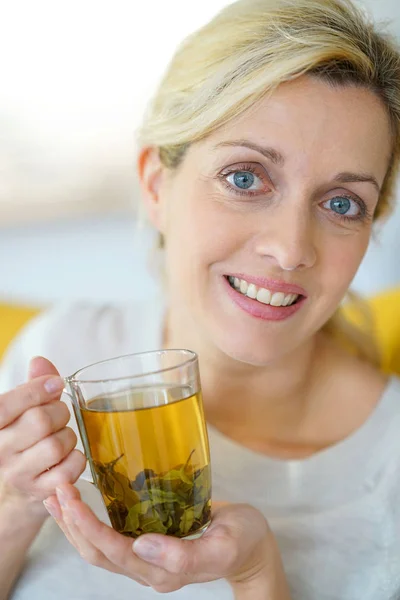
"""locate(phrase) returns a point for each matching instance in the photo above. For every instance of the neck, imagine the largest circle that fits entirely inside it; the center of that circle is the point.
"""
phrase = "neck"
(239, 396)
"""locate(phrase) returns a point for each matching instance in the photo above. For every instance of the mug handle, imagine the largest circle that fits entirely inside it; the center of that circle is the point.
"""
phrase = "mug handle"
(76, 423)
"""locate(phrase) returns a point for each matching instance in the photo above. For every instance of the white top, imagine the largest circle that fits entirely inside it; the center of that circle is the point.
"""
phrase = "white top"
(336, 515)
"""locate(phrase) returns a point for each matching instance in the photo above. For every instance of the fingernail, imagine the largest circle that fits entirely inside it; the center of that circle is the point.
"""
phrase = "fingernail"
(147, 549)
(49, 508)
(53, 385)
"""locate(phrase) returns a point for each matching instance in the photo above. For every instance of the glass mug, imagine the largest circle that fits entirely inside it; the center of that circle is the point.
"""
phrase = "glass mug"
(142, 426)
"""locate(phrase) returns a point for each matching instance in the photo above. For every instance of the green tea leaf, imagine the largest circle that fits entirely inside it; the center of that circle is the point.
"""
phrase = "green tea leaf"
(113, 484)
(152, 525)
(132, 520)
(175, 502)
(161, 511)
(142, 479)
(122, 487)
(117, 512)
(187, 520)
(141, 508)
(202, 484)
(185, 477)
(173, 475)
(198, 510)
(157, 496)
(145, 507)
(189, 458)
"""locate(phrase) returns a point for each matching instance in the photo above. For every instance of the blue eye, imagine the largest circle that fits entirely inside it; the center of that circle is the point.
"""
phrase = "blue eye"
(344, 207)
(243, 179)
(246, 180)
(340, 205)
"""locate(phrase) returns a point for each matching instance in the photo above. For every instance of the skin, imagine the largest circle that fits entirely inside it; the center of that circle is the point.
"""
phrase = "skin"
(296, 381)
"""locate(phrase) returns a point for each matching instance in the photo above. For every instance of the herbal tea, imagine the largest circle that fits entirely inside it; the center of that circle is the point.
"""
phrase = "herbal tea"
(151, 464)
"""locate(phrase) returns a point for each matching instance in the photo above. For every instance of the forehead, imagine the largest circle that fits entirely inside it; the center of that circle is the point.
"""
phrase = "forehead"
(309, 121)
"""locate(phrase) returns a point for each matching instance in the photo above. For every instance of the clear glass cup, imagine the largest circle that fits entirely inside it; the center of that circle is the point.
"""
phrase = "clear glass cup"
(142, 426)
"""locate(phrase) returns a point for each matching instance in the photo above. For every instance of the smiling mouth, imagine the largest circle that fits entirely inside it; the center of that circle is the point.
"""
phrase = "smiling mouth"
(262, 295)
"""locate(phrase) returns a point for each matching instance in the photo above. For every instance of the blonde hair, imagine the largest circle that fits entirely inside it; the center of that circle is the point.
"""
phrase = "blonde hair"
(250, 48)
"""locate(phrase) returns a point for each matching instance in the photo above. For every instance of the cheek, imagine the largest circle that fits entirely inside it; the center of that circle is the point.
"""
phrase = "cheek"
(340, 261)
(203, 225)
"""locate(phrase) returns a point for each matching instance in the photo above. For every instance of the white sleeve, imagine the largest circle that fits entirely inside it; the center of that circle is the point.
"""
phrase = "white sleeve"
(49, 335)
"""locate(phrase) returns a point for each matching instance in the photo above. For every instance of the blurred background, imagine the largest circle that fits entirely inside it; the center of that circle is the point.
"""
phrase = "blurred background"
(75, 78)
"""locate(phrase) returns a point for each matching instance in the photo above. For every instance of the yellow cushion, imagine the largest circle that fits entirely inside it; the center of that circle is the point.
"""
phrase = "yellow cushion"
(386, 314)
(12, 319)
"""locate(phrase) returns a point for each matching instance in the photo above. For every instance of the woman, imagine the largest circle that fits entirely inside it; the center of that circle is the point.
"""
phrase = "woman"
(270, 149)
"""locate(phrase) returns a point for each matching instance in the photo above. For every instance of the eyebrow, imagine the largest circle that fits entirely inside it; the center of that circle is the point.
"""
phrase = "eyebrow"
(347, 177)
(278, 159)
(273, 155)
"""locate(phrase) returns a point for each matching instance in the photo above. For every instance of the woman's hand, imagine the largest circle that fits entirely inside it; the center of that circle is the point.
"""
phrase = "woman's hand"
(36, 448)
(238, 546)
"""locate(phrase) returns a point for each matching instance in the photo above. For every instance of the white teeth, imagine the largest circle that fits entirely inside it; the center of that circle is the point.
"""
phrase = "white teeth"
(287, 299)
(277, 299)
(252, 291)
(243, 286)
(264, 296)
(261, 294)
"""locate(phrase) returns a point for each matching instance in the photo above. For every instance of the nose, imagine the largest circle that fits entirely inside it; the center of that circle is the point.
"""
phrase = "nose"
(287, 237)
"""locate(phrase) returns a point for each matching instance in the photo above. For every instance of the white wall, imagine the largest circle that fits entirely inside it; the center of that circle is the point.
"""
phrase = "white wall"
(74, 86)
(98, 258)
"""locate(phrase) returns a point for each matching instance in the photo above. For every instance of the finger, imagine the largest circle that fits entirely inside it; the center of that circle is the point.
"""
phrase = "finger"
(41, 486)
(67, 471)
(204, 559)
(54, 509)
(39, 366)
(98, 543)
(35, 393)
(44, 455)
(88, 550)
(84, 528)
(33, 426)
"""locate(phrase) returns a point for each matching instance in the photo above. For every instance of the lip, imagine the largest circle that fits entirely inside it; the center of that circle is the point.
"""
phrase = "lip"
(256, 309)
(273, 285)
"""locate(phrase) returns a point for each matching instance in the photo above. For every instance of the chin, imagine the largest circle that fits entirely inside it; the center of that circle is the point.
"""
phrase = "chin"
(255, 351)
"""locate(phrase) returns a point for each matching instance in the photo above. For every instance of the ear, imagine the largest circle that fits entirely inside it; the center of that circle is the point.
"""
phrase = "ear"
(151, 173)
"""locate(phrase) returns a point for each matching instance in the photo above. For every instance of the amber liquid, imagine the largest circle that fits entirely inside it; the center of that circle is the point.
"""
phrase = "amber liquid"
(148, 444)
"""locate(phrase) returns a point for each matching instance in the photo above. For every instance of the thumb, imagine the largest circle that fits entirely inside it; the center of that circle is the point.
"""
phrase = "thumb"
(40, 366)
(212, 553)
